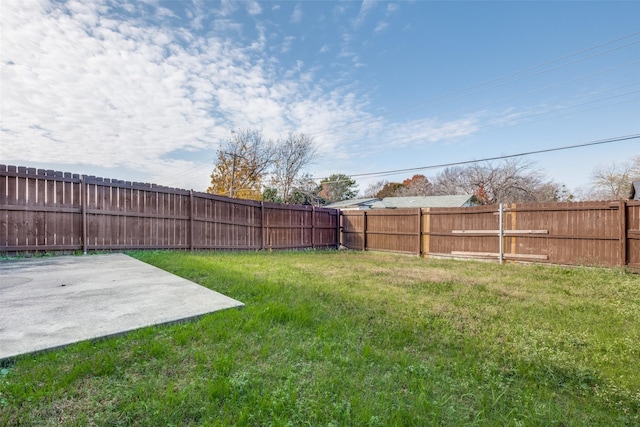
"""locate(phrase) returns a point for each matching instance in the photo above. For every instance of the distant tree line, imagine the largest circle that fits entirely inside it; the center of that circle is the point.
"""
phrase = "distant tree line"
(248, 166)
(511, 181)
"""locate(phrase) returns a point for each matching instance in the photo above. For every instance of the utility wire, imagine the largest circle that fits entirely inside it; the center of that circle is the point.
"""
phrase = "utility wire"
(487, 159)
(493, 83)
(524, 119)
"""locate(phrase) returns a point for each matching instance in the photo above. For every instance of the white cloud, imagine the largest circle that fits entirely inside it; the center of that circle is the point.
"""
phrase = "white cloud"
(254, 8)
(286, 44)
(82, 87)
(428, 130)
(365, 8)
(381, 26)
(296, 16)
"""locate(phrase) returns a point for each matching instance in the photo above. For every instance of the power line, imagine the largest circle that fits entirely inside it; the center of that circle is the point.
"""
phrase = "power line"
(481, 87)
(524, 119)
(508, 156)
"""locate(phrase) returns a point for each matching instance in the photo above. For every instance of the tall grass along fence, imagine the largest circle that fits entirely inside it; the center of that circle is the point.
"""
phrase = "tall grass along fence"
(45, 210)
(586, 233)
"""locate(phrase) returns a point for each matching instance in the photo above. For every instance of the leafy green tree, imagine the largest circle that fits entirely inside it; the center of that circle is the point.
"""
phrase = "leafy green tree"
(271, 195)
(337, 187)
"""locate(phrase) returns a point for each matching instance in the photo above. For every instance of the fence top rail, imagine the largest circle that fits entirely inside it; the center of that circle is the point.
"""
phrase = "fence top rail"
(128, 185)
(52, 175)
(24, 172)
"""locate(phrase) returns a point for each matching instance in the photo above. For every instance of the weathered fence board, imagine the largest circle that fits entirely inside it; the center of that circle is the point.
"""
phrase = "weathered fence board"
(42, 210)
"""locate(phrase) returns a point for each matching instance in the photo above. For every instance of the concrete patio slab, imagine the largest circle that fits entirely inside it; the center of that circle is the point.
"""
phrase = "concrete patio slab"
(51, 302)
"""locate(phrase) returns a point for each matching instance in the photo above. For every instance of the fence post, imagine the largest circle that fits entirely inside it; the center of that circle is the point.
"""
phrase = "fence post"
(419, 232)
(338, 228)
(501, 233)
(514, 226)
(364, 231)
(83, 189)
(262, 238)
(313, 227)
(426, 248)
(191, 220)
(623, 232)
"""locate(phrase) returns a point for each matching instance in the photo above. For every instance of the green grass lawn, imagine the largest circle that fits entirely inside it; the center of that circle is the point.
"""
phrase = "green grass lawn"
(356, 338)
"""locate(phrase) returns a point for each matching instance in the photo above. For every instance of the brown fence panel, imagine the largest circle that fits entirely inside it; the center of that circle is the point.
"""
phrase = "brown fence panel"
(461, 231)
(352, 229)
(287, 227)
(325, 228)
(393, 230)
(50, 210)
(586, 233)
(633, 235)
(223, 223)
(126, 215)
(39, 209)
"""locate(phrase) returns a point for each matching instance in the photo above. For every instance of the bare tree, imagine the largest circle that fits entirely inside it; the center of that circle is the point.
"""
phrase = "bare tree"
(613, 181)
(292, 155)
(306, 192)
(374, 188)
(417, 185)
(452, 180)
(241, 165)
(512, 181)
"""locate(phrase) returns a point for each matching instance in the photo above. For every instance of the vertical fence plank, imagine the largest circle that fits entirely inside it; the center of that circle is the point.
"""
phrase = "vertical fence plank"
(419, 232)
(622, 215)
(5, 215)
(364, 231)
(191, 214)
(84, 195)
(425, 232)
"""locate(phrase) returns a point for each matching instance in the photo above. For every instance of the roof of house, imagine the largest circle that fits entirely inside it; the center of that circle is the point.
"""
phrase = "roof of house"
(635, 190)
(454, 201)
(425, 202)
(352, 203)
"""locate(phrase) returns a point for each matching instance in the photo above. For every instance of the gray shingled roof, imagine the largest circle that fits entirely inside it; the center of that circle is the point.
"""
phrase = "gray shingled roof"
(425, 202)
(351, 203)
(454, 201)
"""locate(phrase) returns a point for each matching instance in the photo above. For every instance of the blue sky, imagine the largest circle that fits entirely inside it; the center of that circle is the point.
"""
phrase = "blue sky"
(147, 90)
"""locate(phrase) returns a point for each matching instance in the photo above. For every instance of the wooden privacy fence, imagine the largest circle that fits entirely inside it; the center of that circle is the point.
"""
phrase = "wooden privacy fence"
(586, 233)
(45, 210)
